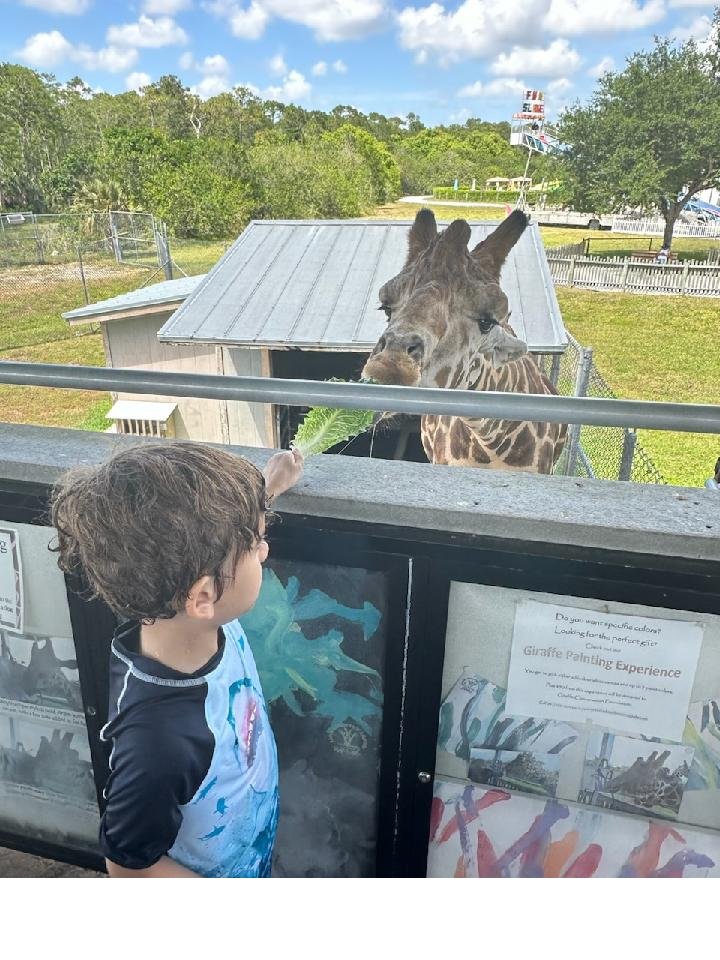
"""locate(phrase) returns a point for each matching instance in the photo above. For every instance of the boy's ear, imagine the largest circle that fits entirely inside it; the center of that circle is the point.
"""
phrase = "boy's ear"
(200, 603)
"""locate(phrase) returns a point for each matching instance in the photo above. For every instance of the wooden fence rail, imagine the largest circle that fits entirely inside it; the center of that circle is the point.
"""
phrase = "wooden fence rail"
(687, 278)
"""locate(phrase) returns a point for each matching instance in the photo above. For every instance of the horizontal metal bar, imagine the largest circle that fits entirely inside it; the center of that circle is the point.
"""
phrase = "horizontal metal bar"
(683, 417)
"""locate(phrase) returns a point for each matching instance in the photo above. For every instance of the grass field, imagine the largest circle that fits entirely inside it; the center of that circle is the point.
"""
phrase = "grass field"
(32, 301)
(651, 348)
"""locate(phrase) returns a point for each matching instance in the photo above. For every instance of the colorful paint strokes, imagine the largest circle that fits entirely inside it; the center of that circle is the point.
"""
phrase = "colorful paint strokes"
(476, 832)
(473, 715)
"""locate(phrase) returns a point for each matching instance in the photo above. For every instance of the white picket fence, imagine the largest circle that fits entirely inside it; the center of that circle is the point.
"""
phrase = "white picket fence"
(655, 226)
(688, 278)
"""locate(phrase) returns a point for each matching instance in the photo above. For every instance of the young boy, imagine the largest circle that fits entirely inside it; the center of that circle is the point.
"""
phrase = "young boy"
(172, 537)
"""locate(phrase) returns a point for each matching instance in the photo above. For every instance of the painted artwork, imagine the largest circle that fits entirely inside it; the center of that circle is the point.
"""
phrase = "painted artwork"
(476, 832)
(473, 715)
(317, 633)
(635, 776)
(535, 773)
(702, 733)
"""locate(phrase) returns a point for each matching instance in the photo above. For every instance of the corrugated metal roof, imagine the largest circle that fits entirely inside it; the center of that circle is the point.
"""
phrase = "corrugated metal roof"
(314, 284)
(169, 291)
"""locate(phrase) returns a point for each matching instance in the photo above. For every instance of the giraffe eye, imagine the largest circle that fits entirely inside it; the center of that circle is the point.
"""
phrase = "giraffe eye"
(486, 323)
(386, 310)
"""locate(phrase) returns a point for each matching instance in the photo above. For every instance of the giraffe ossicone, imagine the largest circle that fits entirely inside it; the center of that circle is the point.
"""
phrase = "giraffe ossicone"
(448, 326)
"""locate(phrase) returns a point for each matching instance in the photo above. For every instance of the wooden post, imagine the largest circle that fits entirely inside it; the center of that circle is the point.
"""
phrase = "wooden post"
(571, 271)
(624, 275)
(684, 278)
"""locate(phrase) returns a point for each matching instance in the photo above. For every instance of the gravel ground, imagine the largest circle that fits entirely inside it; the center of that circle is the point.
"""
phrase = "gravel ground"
(14, 864)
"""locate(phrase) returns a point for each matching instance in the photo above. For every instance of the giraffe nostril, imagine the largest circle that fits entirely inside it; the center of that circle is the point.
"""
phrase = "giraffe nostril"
(381, 344)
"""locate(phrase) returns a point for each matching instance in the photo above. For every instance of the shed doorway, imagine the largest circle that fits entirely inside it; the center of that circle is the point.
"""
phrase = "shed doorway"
(396, 439)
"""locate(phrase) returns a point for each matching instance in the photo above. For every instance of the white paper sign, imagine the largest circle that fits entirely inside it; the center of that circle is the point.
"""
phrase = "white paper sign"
(11, 585)
(633, 674)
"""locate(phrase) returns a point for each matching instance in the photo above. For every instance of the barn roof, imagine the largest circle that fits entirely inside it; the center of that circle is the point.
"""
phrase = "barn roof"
(157, 295)
(313, 284)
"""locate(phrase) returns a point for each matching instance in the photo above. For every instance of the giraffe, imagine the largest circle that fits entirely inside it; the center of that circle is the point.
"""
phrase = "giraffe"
(448, 327)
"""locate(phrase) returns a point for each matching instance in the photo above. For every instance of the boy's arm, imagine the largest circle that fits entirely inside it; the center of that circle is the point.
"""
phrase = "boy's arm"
(165, 867)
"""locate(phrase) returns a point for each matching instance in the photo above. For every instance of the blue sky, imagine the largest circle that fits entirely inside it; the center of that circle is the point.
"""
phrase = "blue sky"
(444, 61)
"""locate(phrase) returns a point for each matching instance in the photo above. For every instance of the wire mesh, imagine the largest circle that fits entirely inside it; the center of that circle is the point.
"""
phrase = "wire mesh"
(608, 453)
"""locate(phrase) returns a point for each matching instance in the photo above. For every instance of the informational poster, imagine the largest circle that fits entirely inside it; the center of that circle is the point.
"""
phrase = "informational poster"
(630, 673)
(611, 709)
(47, 788)
(11, 582)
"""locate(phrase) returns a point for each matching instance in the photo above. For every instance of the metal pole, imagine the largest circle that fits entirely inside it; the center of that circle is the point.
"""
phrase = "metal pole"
(628, 453)
(650, 415)
(555, 369)
(115, 239)
(582, 380)
(82, 273)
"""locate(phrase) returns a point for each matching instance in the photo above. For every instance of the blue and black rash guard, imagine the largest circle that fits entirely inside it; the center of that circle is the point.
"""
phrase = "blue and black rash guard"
(193, 767)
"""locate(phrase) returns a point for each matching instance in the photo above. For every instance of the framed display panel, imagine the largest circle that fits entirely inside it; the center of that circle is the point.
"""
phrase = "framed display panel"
(49, 755)
(330, 633)
(578, 727)
(367, 617)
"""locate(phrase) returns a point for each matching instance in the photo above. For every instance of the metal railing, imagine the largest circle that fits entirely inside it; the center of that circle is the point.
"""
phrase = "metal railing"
(651, 415)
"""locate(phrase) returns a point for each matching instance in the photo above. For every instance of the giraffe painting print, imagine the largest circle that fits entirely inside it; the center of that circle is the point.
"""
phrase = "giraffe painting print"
(448, 326)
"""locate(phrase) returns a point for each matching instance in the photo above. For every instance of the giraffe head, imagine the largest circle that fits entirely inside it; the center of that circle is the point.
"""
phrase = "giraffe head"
(445, 307)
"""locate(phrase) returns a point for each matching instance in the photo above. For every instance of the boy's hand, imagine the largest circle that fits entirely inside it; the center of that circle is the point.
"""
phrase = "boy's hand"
(283, 470)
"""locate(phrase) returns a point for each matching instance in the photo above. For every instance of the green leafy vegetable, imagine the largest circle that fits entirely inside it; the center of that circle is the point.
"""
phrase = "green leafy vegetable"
(323, 427)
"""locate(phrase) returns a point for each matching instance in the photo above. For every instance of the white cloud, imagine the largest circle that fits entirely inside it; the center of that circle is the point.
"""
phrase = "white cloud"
(147, 32)
(319, 69)
(502, 87)
(52, 48)
(330, 19)
(159, 8)
(248, 23)
(294, 87)
(277, 65)
(339, 67)
(559, 87)
(477, 28)
(603, 66)
(574, 17)
(137, 80)
(215, 71)
(72, 7)
(553, 61)
(698, 29)
(45, 49)
(689, 3)
(113, 59)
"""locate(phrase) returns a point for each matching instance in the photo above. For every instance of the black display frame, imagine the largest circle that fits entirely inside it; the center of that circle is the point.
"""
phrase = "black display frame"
(422, 565)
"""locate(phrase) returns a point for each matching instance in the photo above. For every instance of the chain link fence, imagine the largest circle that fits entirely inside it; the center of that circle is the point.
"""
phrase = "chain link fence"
(606, 453)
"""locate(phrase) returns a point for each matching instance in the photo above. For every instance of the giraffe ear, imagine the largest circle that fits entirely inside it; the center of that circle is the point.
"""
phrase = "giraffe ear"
(422, 234)
(506, 348)
(492, 252)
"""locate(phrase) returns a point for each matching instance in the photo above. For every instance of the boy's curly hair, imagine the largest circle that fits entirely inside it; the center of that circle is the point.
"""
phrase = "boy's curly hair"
(145, 526)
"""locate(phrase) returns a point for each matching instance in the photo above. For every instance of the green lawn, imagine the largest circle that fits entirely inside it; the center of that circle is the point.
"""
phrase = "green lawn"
(32, 301)
(655, 348)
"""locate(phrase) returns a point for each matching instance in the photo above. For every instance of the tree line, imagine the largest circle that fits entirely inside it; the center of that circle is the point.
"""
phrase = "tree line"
(208, 166)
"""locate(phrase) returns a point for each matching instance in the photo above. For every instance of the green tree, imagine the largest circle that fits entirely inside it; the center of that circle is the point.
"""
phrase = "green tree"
(381, 164)
(650, 136)
(33, 135)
